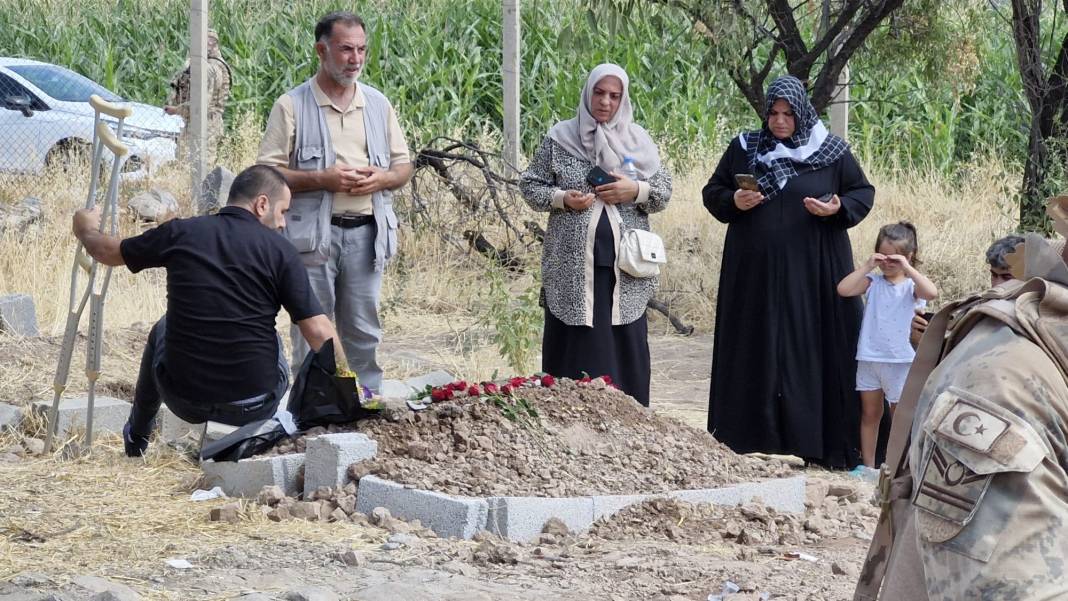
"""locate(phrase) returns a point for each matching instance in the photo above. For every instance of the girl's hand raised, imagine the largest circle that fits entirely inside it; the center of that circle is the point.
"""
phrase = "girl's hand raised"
(875, 260)
(900, 260)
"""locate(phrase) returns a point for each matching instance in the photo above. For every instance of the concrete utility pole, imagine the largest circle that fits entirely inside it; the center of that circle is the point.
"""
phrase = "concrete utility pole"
(839, 109)
(510, 73)
(840, 106)
(198, 93)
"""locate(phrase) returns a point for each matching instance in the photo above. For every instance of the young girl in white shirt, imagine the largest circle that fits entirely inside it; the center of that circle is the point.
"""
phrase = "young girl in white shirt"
(891, 299)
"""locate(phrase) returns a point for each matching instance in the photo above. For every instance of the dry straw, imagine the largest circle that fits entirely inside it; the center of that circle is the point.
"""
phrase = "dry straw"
(111, 516)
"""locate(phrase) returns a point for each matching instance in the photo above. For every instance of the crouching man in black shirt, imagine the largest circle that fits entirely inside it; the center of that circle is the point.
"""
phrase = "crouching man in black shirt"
(215, 355)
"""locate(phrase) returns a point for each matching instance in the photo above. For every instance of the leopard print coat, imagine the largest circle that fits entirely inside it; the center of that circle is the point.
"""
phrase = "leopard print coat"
(567, 258)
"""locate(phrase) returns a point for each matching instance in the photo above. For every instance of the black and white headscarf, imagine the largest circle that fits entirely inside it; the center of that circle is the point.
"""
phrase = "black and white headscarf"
(772, 161)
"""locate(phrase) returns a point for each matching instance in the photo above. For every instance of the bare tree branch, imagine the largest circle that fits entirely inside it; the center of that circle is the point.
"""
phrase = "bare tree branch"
(790, 39)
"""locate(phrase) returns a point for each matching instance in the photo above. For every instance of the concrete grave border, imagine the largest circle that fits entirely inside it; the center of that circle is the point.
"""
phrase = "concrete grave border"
(520, 519)
(515, 518)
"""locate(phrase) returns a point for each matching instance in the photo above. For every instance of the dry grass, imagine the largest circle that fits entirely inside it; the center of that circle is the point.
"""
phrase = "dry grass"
(111, 516)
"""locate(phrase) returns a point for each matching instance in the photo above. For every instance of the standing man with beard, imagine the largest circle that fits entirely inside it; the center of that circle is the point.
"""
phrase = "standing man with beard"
(341, 148)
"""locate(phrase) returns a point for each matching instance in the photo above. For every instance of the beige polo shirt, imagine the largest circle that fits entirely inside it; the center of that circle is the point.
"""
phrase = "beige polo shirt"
(346, 133)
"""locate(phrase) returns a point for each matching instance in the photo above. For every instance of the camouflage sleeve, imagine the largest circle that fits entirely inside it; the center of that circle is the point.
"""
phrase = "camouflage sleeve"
(989, 471)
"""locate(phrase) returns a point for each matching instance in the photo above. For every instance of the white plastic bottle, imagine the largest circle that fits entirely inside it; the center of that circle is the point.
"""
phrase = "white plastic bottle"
(629, 169)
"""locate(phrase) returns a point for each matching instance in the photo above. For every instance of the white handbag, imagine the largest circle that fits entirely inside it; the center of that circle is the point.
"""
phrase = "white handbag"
(640, 253)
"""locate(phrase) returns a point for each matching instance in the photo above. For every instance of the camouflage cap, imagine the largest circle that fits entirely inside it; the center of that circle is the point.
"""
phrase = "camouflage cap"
(213, 35)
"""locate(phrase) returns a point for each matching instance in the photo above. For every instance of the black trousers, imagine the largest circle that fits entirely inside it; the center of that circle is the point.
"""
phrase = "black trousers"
(151, 393)
(621, 352)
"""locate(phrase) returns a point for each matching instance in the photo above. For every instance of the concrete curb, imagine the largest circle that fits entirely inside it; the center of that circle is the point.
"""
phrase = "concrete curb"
(520, 519)
(446, 515)
(177, 432)
(328, 457)
(109, 414)
(247, 477)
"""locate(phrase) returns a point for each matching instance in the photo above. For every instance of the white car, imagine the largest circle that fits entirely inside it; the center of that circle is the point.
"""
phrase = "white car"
(45, 117)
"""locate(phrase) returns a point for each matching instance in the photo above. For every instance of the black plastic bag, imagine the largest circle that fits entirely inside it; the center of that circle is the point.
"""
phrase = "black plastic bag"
(321, 397)
(246, 441)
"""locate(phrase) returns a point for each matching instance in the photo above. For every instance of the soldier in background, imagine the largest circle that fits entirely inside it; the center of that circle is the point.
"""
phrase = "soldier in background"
(219, 80)
(978, 499)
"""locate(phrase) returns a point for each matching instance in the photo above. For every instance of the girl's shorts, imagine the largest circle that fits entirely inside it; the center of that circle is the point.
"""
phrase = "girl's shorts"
(888, 377)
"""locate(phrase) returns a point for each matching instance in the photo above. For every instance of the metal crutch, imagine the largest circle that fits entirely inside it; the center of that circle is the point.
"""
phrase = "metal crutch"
(95, 290)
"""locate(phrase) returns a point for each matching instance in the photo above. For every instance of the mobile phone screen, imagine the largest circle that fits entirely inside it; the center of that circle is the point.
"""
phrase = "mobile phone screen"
(746, 181)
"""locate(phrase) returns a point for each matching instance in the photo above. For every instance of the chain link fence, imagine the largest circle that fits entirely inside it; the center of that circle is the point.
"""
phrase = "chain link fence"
(46, 122)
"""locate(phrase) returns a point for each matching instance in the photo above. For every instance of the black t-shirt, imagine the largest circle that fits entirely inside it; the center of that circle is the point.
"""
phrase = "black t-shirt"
(227, 276)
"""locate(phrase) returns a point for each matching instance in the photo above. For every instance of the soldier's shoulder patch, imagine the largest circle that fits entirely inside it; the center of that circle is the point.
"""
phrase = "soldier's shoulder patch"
(983, 433)
(950, 490)
(972, 425)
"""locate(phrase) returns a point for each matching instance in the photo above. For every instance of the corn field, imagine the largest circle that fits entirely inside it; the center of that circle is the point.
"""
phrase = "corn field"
(439, 62)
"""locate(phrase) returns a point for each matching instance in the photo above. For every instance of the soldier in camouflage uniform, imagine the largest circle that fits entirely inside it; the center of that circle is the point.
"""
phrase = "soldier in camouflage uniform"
(219, 80)
(987, 479)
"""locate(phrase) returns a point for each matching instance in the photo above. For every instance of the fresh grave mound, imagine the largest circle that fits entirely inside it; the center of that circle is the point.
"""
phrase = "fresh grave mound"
(570, 439)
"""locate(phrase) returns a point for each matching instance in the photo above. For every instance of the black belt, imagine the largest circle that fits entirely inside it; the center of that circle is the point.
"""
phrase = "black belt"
(350, 221)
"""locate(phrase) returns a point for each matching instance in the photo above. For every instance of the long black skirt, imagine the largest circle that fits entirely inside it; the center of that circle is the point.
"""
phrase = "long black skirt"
(621, 352)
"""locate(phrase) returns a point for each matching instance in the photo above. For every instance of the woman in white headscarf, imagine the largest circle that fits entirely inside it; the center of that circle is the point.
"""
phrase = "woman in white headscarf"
(595, 313)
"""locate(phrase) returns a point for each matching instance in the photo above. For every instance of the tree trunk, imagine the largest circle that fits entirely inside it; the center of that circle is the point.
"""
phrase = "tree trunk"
(1032, 202)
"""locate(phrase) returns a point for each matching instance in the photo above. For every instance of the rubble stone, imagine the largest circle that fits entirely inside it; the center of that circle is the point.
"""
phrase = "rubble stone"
(230, 513)
(17, 315)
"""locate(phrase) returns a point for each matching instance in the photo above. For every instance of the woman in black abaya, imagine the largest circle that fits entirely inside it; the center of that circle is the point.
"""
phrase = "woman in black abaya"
(783, 368)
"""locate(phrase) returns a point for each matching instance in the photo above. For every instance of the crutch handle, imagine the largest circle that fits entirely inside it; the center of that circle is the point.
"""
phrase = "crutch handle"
(108, 108)
(108, 138)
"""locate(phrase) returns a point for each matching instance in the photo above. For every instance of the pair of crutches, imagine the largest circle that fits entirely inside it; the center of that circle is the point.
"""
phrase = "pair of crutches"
(96, 285)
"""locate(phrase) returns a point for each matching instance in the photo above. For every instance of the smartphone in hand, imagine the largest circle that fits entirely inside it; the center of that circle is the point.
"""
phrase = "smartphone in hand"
(746, 181)
(599, 177)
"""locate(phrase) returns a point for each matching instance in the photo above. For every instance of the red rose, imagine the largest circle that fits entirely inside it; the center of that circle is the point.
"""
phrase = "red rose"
(585, 379)
(439, 394)
(472, 391)
(517, 382)
(607, 379)
(460, 385)
(489, 387)
(506, 389)
(548, 381)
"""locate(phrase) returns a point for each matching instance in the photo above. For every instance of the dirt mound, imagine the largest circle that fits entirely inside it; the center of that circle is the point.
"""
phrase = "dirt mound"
(832, 512)
(567, 440)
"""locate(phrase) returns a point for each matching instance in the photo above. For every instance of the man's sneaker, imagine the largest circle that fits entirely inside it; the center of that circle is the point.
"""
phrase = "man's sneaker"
(135, 445)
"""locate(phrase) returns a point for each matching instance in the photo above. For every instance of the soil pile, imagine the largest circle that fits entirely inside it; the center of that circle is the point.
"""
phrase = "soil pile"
(571, 439)
(828, 516)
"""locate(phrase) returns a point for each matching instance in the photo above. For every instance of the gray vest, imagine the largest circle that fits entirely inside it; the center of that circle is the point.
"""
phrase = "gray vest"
(308, 222)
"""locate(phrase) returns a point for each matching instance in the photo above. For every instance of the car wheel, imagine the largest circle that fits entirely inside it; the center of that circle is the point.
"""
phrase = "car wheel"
(69, 154)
